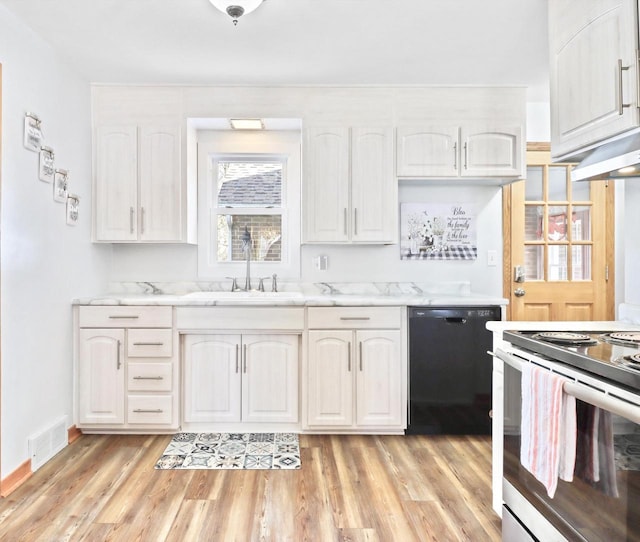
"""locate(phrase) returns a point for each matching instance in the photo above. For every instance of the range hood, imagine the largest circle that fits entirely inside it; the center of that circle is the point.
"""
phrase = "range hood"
(617, 159)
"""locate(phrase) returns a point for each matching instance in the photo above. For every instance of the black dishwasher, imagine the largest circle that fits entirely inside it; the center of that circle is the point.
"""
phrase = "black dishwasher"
(450, 370)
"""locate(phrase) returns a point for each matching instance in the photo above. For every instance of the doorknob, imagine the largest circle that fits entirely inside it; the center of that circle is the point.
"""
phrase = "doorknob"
(519, 292)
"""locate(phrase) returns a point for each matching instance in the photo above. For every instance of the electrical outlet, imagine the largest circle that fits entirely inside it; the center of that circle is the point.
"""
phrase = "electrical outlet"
(321, 263)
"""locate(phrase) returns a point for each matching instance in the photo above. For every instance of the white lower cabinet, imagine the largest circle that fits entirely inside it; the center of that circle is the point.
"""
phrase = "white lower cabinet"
(355, 376)
(241, 378)
(127, 373)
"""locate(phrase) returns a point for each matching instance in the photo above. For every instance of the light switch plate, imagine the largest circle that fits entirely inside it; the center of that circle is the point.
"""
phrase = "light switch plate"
(492, 258)
(321, 263)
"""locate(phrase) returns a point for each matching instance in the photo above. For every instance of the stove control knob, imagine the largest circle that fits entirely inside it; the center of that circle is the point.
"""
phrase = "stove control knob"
(519, 292)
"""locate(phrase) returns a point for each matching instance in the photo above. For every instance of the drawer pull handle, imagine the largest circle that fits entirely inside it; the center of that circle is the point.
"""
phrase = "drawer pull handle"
(117, 317)
(149, 410)
(355, 318)
(148, 377)
(148, 344)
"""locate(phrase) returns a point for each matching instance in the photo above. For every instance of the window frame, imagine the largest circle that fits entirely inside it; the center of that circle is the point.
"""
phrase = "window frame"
(222, 145)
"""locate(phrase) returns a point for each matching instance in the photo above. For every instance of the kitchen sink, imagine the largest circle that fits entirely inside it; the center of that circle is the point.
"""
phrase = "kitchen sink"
(252, 295)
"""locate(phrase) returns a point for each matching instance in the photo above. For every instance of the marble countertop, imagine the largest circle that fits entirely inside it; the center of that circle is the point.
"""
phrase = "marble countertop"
(320, 294)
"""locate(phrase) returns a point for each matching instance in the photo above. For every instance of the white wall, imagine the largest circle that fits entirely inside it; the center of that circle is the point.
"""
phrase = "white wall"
(45, 263)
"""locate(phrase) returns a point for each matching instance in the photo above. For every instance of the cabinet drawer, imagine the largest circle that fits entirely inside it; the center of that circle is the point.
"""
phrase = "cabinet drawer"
(149, 343)
(149, 377)
(149, 409)
(240, 318)
(125, 316)
(354, 317)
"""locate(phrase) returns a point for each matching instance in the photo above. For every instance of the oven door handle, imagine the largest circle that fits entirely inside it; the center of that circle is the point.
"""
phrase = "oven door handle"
(594, 397)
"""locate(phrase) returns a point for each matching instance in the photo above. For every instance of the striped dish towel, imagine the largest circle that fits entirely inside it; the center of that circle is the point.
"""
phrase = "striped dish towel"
(548, 439)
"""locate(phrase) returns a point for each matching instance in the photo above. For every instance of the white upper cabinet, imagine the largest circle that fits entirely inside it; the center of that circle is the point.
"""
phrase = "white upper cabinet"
(350, 191)
(593, 71)
(460, 150)
(139, 190)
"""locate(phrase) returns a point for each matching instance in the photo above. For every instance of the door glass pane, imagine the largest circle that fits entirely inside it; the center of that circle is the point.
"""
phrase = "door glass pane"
(534, 262)
(266, 237)
(557, 230)
(533, 222)
(581, 223)
(533, 190)
(558, 264)
(249, 184)
(558, 183)
(581, 191)
(581, 262)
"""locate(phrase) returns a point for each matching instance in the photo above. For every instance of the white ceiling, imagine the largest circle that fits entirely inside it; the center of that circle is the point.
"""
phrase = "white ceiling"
(298, 42)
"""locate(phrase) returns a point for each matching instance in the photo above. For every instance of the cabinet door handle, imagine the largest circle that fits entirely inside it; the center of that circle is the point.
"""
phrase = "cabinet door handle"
(355, 318)
(141, 220)
(244, 347)
(345, 221)
(131, 213)
(149, 410)
(360, 354)
(237, 358)
(118, 361)
(455, 156)
(148, 377)
(123, 317)
(349, 357)
(621, 104)
(355, 221)
(148, 344)
(465, 155)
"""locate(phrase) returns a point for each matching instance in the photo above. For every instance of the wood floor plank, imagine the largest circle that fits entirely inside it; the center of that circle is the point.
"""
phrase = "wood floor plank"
(350, 488)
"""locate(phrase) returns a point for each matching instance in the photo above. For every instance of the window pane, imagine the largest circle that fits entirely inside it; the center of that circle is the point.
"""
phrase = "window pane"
(581, 191)
(534, 262)
(533, 221)
(581, 262)
(249, 184)
(557, 230)
(266, 237)
(533, 186)
(557, 183)
(557, 262)
(581, 223)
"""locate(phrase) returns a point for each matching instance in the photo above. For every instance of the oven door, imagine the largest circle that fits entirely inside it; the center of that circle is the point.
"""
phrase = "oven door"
(603, 500)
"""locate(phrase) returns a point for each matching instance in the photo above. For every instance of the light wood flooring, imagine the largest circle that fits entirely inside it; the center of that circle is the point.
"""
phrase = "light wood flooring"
(350, 488)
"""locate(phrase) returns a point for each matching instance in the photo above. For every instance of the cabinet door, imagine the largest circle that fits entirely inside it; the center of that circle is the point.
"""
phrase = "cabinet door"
(330, 378)
(378, 390)
(101, 377)
(160, 215)
(491, 150)
(374, 189)
(116, 200)
(326, 187)
(428, 151)
(212, 378)
(592, 51)
(270, 378)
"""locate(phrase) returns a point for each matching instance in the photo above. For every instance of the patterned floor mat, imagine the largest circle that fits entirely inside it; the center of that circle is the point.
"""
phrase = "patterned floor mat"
(231, 451)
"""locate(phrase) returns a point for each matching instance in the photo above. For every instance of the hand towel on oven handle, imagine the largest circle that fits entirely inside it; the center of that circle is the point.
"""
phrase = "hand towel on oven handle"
(548, 440)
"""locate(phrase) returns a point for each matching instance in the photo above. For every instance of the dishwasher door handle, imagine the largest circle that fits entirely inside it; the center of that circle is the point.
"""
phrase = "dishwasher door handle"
(455, 320)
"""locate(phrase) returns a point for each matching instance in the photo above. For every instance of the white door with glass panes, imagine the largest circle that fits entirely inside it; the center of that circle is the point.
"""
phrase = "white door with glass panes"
(249, 191)
(559, 232)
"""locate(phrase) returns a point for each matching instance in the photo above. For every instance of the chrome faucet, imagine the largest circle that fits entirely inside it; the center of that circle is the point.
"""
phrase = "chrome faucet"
(246, 248)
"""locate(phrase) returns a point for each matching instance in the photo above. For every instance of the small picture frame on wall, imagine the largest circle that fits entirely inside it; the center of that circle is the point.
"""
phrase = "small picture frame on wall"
(32, 132)
(60, 185)
(73, 208)
(47, 170)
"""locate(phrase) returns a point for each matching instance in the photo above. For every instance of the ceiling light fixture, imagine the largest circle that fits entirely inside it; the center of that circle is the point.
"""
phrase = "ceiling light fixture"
(247, 124)
(236, 8)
